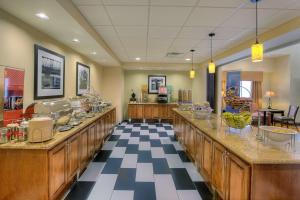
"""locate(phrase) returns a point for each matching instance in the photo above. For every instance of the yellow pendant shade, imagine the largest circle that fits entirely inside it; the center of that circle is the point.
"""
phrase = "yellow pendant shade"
(257, 51)
(211, 68)
(192, 74)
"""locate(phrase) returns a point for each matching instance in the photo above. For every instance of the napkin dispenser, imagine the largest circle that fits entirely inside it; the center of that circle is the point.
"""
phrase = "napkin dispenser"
(40, 129)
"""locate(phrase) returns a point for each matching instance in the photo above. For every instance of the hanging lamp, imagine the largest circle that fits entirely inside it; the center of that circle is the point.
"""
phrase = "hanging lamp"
(211, 65)
(257, 49)
(192, 71)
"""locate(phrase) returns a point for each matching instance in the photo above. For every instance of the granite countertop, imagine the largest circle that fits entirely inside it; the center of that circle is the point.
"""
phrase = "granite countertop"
(244, 144)
(58, 137)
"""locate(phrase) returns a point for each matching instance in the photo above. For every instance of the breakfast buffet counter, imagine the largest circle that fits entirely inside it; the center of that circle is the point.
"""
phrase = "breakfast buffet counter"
(47, 170)
(236, 165)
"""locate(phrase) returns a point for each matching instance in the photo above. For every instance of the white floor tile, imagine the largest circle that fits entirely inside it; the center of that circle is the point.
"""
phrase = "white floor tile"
(134, 140)
(122, 195)
(117, 132)
(165, 140)
(177, 146)
(174, 161)
(136, 129)
(193, 172)
(151, 126)
(144, 146)
(144, 132)
(144, 172)
(118, 152)
(160, 129)
(109, 145)
(170, 132)
(104, 187)
(92, 172)
(157, 152)
(125, 136)
(188, 195)
(165, 187)
(154, 136)
(129, 161)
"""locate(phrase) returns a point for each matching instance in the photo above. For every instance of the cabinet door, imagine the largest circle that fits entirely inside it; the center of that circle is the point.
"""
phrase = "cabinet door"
(98, 141)
(57, 170)
(131, 111)
(91, 140)
(186, 134)
(219, 169)
(192, 138)
(170, 111)
(73, 155)
(207, 157)
(83, 148)
(238, 176)
(147, 111)
(198, 149)
(155, 111)
(139, 111)
(163, 111)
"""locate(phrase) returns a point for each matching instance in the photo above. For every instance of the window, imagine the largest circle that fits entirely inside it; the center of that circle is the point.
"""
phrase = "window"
(246, 89)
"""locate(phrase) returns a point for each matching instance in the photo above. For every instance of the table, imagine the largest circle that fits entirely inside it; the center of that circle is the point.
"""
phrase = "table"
(272, 111)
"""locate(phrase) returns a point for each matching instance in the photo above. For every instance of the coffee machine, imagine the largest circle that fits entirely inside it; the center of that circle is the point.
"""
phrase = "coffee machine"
(162, 96)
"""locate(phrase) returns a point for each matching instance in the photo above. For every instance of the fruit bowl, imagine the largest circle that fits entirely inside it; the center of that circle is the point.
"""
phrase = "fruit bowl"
(237, 120)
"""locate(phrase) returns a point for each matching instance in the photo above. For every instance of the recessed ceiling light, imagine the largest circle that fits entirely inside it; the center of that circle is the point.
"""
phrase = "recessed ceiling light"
(138, 58)
(42, 15)
(94, 52)
(75, 40)
(187, 59)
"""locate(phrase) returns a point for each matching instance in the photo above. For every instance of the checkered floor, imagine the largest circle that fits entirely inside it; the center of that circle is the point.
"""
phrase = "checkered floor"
(141, 162)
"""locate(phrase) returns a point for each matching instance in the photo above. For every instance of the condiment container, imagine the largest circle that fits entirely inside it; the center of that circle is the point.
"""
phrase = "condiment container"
(3, 136)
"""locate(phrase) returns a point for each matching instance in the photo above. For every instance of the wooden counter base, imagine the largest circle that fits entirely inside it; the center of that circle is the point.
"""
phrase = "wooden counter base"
(45, 174)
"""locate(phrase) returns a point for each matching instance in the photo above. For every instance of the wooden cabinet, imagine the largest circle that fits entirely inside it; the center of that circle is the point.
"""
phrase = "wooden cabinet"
(57, 170)
(132, 112)
(219, 169)
(99, 135)
(147, 112)
(207, 157)
(198, 149)
(73, 156)
(238, 178)
(84, 152)
(139, 112)
(91, 140)
(163, 111)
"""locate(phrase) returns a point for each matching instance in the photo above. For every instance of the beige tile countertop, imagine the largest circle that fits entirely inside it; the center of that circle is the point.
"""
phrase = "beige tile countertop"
(244, 144)
(150, 103)
(58, 137)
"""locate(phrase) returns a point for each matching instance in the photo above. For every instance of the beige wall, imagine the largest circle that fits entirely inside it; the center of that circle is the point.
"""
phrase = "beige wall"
(113, 88)
(199, 86)
(17, 50)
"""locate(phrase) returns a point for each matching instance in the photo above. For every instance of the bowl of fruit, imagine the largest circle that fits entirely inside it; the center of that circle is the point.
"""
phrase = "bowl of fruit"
(237, 120)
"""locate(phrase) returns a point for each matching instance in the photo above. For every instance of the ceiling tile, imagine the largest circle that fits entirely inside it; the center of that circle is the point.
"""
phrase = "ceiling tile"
(169, 16)
(195, 32)
(87, 2)
(125, 2)
(174, 2)
(279, 18)
(183, 45)
(245, 18)
(209, 16)
(132, 31)
(163, 31)
(221, 3)
(128, 15)
(271, 4)
(223, 33)
(95, 15)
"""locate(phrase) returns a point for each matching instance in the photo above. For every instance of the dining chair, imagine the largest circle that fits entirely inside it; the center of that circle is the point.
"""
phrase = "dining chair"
(289, 119)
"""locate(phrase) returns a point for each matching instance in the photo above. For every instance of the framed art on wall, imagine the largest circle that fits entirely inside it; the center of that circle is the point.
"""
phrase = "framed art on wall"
(49, 73)
(82, 79)
(154, 82)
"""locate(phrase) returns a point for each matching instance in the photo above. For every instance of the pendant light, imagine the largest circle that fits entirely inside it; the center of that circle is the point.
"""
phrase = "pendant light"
(211, 65)
(257, 49)
(192, 71)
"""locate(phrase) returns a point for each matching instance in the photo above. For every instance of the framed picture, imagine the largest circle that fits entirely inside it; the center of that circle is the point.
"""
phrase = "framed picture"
(82, 79)
(154, 81)
(49, 74)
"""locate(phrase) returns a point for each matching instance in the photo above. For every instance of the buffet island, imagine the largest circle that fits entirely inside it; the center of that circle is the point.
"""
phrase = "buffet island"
(45, 170)
(237, 165)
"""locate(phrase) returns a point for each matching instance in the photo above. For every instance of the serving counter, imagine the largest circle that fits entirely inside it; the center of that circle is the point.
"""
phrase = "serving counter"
(236, 165)
(44, 171)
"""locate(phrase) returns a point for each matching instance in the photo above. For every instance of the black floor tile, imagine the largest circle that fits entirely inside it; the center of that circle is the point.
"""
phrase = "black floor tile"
(183, 156)
(145, 191)
(102, 156)
(127, 130)
(160, 166)
(114, 138)
(153, 130)
(162, 134)
(144, 157)
(159, 125)
(173, 138)
(144, 138)
(132, 149)
(168, 128)
(126, 179)
(112, 166)
(182, 179)
(144, 128)
(155, 143)
(135, 134)
(80, 191)
(169, 149)
(136, 125)
(122, 143)
(203, 191)
(120, 127)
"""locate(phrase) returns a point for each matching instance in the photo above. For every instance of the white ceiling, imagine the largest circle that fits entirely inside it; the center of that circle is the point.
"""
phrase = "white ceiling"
(150, 28)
